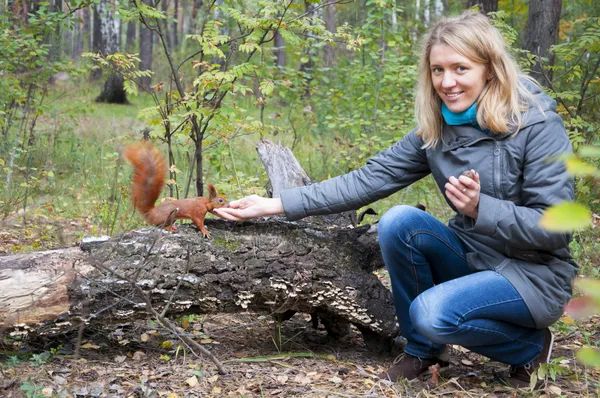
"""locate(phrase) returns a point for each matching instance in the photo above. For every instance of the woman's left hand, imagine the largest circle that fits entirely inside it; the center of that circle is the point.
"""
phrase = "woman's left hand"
(463, 192)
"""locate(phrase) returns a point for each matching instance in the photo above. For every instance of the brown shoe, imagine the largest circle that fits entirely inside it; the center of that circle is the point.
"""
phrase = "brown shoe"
(410, 367)
(520, 376)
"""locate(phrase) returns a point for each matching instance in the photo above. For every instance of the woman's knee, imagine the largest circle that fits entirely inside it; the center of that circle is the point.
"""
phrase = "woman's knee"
(397, 220)
(431, 317)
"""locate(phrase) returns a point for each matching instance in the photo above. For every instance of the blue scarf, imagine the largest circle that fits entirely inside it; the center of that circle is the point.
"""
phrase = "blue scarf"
(468, 116)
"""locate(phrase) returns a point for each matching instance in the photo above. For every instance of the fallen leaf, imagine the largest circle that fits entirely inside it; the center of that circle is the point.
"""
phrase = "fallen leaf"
(144, 337)
(281, 379)
(47, 392)
(192, 381)
(466, 362)
(302, 380)
(139, 355)
(336, 380)
(206, 341)
(90, 346)
(120, 358)
(555, 390)
(216, 390)
(212, 379)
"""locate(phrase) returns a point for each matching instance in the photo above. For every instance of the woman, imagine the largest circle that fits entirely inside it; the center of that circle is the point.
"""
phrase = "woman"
(492, 280)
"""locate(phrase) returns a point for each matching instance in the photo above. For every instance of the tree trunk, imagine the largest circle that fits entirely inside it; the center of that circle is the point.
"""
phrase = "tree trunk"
(485, 6)
(79, 33)
(331, 26)
(174, 29)
(97, 44)
(146, 44)
(270, 267)
(88, 34)
(540, 34)
(307, 67)
(113, 91)
(131, 36)
(109, 27)
(279, 49)
(54, 40)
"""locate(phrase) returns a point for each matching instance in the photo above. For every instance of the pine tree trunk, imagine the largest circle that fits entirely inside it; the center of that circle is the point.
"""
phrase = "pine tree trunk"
(541, 33)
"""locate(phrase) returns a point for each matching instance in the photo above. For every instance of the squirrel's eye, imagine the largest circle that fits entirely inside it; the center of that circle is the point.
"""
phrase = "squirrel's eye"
(220, 200)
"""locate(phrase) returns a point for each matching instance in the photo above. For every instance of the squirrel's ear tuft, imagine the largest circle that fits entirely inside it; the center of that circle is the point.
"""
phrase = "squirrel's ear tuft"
(212, 192)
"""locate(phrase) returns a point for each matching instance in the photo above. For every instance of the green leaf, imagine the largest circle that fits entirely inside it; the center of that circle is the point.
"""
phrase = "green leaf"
(590, 288)
(566, 217)
(589, 356)
(589, 151)
(580, 167)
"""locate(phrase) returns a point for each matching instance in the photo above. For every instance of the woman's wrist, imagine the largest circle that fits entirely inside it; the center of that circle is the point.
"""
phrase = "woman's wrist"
(275, 206)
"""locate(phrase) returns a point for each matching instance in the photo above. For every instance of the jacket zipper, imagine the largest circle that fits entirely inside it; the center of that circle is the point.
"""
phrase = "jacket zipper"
(497, 171)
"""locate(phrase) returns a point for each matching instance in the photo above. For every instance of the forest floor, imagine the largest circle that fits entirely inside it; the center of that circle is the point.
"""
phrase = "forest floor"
(263, 358)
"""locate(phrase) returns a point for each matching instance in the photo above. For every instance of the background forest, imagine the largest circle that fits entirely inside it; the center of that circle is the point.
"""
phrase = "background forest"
(331, 79)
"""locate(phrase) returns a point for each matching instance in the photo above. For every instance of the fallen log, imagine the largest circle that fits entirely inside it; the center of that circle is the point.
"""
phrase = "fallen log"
(268, 266)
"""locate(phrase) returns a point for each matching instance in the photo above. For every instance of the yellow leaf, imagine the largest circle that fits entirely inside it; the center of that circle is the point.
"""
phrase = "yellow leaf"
(216, 390)
(206, 341)
(89, 346)
(568, 320)
(192, 381)
(168, 344)
(566, 217)
(144, 337)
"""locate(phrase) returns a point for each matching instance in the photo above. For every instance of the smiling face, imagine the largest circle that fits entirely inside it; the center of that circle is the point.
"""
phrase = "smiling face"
(457, 80)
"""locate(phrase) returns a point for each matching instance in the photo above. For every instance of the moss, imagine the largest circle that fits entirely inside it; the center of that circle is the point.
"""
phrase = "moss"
(226, 244)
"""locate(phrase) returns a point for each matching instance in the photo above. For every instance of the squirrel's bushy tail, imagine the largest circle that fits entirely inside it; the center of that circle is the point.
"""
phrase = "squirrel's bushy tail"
(149, 174)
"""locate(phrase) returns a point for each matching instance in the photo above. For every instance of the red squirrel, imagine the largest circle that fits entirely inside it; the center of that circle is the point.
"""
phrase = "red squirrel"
(149, 174)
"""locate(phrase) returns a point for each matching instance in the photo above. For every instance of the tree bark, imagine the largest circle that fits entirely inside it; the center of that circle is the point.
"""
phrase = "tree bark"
(279, 49)
(146, 44)
(109, 29)
(271, 266)
(540, 34)
(331, 26)
(113, 91)
(131, 36)
(485, 6)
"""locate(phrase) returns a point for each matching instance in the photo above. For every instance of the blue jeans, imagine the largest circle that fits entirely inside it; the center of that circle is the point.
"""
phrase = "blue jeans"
(440, 300)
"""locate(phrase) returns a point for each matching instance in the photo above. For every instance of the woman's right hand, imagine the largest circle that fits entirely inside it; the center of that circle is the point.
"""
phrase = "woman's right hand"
(250, 207)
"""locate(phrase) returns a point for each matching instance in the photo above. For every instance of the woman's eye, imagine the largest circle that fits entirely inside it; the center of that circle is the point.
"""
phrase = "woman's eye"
(436, 70)
(461, 69)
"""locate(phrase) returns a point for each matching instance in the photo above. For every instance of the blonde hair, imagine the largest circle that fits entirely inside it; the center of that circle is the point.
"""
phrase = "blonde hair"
(504, 96)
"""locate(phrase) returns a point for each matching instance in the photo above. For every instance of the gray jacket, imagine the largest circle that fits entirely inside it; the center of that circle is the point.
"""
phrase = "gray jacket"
(517, 183)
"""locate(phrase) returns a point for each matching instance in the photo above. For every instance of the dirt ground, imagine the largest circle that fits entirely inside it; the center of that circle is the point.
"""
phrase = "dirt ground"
(262, 358)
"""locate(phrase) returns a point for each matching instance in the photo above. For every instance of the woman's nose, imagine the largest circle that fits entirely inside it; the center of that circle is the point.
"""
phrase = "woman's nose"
(448, 80)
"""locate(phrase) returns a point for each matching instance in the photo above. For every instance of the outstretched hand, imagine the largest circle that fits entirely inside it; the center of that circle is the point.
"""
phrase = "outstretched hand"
(250, 207)
(463, 192)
